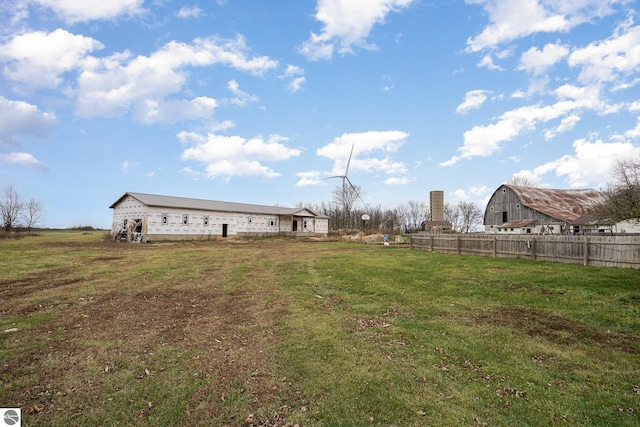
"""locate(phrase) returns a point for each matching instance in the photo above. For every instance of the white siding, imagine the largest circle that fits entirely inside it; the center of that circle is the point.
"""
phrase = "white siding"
(629, 226)
(129, 208)
(159, 223)
(236, 223)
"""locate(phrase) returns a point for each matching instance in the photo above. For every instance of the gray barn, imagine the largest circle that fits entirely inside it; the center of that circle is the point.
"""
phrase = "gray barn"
(520, 210)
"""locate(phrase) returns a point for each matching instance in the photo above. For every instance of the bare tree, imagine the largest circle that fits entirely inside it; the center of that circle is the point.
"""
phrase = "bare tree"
(470, 215)
(32, 214)
(521, 181)
(345, 197)
(623, 194)
(452, 214)
(11, 208)
(417, 213)
(402, 212)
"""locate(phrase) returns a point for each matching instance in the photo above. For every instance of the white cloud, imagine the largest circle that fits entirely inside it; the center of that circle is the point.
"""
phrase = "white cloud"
(195, 175)
(513, 19)
(479, 191)
(39, 59)
(24, 159)
(566, 124)
(21, 118)
(591, 164)
(487, 62)
(527, 176)
(187, 12)
(474, 99)
(365, 143)
(296, 84)
(309, 178)
(460, 194)
(241, 98)
(397, 180)
(127, 164)
(295, 77)
(537, 86)
(227, 156)
(473, 193)
(347, 24)
(611, 60)
(174, 110)
(73, 11)
(115, 85)
(629, 134)
(537, 61)
(482, 141)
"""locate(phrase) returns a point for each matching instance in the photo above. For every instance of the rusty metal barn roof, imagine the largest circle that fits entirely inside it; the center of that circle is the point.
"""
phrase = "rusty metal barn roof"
(214, 205)
(567, 205)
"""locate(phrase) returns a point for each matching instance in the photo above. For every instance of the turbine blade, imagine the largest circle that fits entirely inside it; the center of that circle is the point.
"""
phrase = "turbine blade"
(349, 161)
(355, 190)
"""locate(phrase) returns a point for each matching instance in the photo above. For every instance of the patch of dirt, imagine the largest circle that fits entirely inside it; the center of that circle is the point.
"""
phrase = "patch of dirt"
(47, 279)
(229, 335)
(557, 329)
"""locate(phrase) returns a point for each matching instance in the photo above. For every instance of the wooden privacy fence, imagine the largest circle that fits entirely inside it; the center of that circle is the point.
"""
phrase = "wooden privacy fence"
(609, 251)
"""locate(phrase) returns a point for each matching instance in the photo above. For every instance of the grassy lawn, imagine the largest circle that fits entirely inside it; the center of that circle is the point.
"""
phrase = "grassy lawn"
(279, 332)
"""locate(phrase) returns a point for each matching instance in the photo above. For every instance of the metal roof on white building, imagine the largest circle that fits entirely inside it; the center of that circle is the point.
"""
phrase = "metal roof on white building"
(213, 205)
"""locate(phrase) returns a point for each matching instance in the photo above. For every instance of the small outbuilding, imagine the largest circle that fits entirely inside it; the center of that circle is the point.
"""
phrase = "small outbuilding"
(515, 209)
(147, 217)
(436, 227)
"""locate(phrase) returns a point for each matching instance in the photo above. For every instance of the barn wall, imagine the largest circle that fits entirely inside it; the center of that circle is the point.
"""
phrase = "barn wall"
(506, 200)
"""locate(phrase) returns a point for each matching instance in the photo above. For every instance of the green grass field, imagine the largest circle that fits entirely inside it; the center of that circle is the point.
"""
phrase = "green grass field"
(281, 332)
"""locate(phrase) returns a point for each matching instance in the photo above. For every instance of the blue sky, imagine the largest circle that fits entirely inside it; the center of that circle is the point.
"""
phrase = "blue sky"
(260, 101)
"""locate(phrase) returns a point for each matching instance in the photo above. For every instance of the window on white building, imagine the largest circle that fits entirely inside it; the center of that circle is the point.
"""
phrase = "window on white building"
(205, 220)
(185, 219)
(164, 219)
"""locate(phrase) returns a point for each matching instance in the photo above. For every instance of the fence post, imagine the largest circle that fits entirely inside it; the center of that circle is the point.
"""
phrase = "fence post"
(585, 251)
(458, 244)
(410, 242)
(431, 237)
(533, 248)
(495, 246)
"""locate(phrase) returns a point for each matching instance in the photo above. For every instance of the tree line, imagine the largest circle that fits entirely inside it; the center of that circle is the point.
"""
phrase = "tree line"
(622, 194)
(347, 208)
(622, 202)
(17, 213)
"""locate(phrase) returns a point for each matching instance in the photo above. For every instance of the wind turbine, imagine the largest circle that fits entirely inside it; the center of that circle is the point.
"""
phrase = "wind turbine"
(345, 178)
